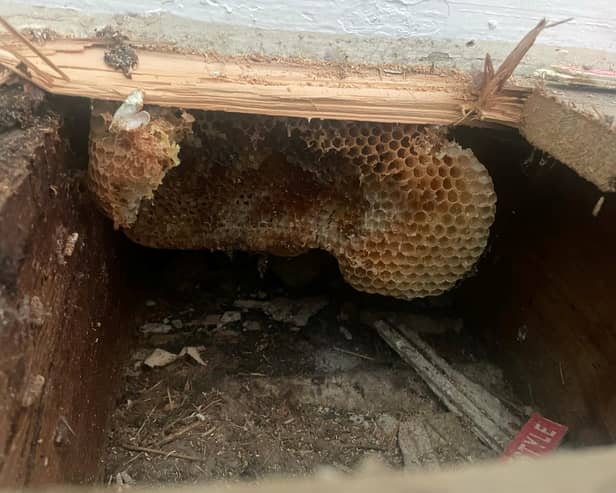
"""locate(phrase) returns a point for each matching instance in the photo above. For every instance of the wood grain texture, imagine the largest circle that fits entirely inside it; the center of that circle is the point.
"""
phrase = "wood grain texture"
(309, 89)
(61, 316)
(276, 87)
(543, 294)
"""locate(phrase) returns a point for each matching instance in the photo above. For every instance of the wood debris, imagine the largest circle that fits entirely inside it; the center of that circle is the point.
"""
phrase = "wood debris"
(491, 421)
(32, 47)
(596, 209)
(582, 77)
(276, 87)
(415, 445)
(494, 81)
(161, 358)
(286, 310)
(172, 453)
(156, 328)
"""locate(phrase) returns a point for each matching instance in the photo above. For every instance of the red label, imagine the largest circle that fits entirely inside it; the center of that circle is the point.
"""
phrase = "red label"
(537, 437)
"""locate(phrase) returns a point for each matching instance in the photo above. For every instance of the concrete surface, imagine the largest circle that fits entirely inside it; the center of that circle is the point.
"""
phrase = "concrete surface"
(494, 20)
(194, 34)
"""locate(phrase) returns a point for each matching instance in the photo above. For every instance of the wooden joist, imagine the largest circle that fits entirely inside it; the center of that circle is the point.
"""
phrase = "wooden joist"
(278, 87)
(316, 89)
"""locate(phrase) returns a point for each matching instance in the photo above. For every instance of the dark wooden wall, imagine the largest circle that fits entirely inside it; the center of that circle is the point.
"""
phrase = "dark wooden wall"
(549, 276)
(62, 325)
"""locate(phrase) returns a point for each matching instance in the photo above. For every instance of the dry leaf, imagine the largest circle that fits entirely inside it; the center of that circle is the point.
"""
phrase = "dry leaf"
(160, 358)
(193, 352)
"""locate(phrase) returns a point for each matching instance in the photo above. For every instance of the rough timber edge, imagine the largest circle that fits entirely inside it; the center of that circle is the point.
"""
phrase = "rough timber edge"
(574, 115)
(576, 129)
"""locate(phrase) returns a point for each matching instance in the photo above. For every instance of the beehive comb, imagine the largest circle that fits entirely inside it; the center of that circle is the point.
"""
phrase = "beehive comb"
(405, 211)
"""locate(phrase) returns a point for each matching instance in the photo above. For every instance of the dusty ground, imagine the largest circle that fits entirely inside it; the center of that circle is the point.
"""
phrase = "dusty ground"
(274, 396)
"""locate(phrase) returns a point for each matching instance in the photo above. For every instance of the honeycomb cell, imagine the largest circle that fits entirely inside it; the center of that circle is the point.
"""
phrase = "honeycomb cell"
(404, 210)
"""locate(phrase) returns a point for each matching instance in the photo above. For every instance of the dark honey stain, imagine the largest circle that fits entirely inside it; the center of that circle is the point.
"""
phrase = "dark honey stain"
(269, 179)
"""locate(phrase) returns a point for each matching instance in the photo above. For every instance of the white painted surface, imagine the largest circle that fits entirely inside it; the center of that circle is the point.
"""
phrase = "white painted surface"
(594, 25)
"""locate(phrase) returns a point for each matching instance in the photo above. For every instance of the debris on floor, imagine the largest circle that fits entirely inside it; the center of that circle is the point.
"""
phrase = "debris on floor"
(415, 445)
(281, 383)
(492, 422)
(296, 312)
(160, 357)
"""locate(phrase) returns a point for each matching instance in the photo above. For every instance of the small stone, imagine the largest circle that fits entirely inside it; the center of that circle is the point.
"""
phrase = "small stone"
(156, 328)
(230, 317)
(297, 312)
(346, 333)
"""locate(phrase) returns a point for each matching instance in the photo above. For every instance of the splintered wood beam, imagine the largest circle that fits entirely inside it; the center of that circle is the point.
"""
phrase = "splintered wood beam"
(277, 87)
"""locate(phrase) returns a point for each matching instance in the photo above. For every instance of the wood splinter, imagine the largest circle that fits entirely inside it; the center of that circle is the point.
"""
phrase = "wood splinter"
(148, 450)
(494, 81)
(30, 45)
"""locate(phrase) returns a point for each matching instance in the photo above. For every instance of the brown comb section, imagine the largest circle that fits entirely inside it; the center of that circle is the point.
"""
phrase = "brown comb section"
(404, 210)
(126, 167)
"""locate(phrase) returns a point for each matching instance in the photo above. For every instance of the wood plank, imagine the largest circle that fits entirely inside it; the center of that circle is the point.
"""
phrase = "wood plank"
(577, 128)
(488, 418)
(63, 326)
(277, 87)
(543, 294)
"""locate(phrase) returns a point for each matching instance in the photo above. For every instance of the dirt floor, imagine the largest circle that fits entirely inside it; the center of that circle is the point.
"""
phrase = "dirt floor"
(275, 379)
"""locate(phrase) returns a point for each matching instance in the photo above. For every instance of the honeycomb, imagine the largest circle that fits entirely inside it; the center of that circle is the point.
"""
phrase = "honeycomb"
(128, 166)
(405, 211)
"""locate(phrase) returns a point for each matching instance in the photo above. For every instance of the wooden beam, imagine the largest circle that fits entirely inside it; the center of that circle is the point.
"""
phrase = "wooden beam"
(277, 87)
(577, 130)
(63, 315)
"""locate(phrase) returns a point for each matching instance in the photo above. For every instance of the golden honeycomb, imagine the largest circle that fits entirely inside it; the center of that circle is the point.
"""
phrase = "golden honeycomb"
(405, 211)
